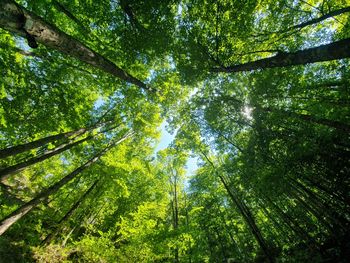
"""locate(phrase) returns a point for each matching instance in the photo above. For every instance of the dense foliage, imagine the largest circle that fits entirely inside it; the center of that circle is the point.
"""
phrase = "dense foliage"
(257, 92)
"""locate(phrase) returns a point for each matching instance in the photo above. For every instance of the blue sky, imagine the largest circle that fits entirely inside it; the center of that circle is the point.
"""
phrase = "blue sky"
(166, 139)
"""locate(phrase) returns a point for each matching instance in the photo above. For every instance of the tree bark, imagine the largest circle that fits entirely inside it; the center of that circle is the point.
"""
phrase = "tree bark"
(71, 16)
(176, 218)
(24, 209)
(336, 50)
(18, 20)
(14, 150)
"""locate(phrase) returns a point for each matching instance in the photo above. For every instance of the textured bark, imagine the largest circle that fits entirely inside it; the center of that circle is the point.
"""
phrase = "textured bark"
(24, 209)
(336, 50)
(12, 17)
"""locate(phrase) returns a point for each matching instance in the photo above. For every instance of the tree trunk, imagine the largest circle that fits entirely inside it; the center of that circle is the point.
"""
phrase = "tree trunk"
(309, 22)
(312, 119)
(175, 216)
(336, 50)
(50, 236)
(24, 209)
(72, 17)
(17, 19)
(305, 117)
(14, 150)
(8, 171)
(245, 212)
(321, 18)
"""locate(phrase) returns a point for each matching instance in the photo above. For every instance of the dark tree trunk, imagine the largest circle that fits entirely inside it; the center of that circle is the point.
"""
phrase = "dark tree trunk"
(64, 219)
(24, 209)
(304, 117)
(71, 16)
(245, 212)
(11, 151)
(336, 50)
(8, 171)
(312, 119)
(175, 217)
(321, 18)
(17, 19)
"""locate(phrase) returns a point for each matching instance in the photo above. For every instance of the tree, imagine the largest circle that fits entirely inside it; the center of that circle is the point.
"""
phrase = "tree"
(337, 50)
(20, 21)
(24, 209)
(270, 142)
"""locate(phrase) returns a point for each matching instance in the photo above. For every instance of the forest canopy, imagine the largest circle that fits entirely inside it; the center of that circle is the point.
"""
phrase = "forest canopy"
(257, 92)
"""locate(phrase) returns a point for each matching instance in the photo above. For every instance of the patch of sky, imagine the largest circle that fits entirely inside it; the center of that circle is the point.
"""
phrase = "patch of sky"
(98, 103)
(152, 74)
(22, 44)
(247, 112)
(179, 10)
(114, 4)
(166, 139)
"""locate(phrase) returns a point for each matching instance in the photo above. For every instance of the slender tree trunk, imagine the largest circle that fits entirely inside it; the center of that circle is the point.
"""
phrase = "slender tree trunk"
(336, 50)
(8, 171)
(24, 209)
(71, 16)
(235, 145)
(312, 119)
(210, 242)
(176, 218)
(320, 208)
(187, 229)
(279, 227)
(305, 117)
(62, 221)
(321, 18)
(245, 212)
(227, 229)
(291, 222)
(14, 150)
(309, 22)
(64, 242)
(17, 19)
(247, 215)
(221, 244)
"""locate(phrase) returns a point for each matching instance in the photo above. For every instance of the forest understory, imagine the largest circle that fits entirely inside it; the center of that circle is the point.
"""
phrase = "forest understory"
(175, 131)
